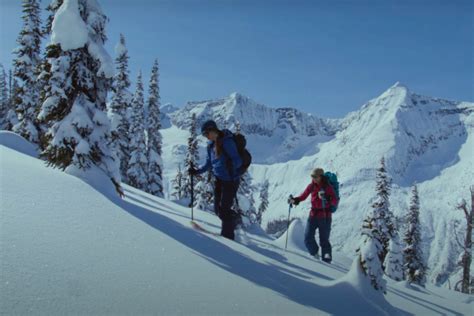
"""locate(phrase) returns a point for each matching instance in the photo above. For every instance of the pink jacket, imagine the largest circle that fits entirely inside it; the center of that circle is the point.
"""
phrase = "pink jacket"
(317, 207)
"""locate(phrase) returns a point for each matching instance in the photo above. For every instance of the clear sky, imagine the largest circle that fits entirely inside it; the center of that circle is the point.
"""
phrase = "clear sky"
(323, 57)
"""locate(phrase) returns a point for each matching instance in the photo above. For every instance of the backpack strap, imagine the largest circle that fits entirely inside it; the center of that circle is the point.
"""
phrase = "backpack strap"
(229, 163)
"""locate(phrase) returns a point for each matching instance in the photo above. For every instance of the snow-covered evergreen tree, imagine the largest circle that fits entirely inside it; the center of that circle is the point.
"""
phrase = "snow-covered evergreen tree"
(237, 127)
(118, 109)
(78, 75)
(466, 258)
(52, 7)
(245, 200)
(205, 195)
(381, 208)
(415, 268)
(263, 202)
(192, 157)
(394, 260)
(370, 251)
(12, 118)
(154, 139)
(138, 163)
(4, 100)
(25, 69)
(178, 184)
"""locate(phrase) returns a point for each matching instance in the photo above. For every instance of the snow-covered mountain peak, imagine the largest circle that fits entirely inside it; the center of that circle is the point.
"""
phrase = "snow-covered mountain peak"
(254, 118)
(168, 108)
(237, 97)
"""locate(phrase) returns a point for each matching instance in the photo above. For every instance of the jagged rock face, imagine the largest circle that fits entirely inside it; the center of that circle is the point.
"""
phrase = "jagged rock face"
(254, 118)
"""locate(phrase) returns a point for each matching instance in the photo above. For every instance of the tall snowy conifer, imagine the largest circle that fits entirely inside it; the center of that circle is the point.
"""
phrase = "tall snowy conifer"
(4, 100)
(77, 73)
(415, 268)
(205, 196)
(467, 283)
(26, 70)
(245, 200)
(178, 184)
(138, 163)
(119, 106)
(192, 158)
(154, 140)
(381, 206)
(263, 202)
(237, 127)
(12, 118)
(394, 260)
(370, 252)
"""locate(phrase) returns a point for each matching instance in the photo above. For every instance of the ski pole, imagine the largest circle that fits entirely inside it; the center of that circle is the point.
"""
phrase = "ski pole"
(192, 197)
(288, 223)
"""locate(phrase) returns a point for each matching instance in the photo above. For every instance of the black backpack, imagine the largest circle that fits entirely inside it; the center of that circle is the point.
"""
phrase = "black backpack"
(244, 154)
(246, 157)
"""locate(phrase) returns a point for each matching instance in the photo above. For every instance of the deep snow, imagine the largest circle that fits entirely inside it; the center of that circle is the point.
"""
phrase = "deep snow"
(72, 247)
(424, 140)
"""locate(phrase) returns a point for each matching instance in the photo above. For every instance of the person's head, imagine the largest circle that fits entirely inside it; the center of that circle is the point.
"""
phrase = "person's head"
(318, 176)
(209, 130)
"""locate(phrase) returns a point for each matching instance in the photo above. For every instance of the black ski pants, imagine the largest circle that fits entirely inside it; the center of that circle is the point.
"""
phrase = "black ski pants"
(224, 196)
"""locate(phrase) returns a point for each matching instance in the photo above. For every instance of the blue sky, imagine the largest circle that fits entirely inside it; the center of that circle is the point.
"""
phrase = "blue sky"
(323, 57)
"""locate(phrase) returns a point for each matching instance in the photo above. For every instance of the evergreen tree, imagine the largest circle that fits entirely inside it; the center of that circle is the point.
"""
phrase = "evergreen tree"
(192, 157)
(4, 102)
(415, 268)
(237, 127)
(12, 118)
(466, 259)
(381, 208)
(178, 184)
(245, 200)
(154, 140)
(77, 75)
(119, 108)
(205, 196)
(138, 163)
(26, 67)
(394, 260)
(263, 202)
(370, 251)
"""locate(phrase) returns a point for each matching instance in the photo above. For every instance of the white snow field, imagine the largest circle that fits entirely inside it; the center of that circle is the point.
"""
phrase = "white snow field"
(69, 246)
(425, 140)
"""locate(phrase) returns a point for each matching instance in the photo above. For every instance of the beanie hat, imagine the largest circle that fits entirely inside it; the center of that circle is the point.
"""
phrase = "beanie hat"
(208, 125)
(317, 172)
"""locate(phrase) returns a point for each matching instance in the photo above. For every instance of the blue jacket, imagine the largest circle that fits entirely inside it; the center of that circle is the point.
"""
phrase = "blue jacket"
(219, 165)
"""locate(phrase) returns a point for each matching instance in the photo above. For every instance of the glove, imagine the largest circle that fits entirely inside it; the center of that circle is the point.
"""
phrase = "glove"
(332, 208)
(294, 201)
(192, 171)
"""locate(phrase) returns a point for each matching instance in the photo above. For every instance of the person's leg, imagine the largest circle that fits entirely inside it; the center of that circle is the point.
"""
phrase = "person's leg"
(309, 238)
(324, 233)
(229, 190)
(217, 196)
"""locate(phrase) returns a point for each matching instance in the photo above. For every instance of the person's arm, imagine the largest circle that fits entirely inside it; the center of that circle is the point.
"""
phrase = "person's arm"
(302, 196)
(305, 194)
(230, 148)
(207, 165)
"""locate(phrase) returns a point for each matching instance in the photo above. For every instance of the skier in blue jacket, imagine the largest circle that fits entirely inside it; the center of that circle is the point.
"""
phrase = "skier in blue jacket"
(224, 161)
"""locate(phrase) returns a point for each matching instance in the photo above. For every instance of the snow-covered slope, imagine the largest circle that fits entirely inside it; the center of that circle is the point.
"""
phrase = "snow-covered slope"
(424, 140)
(71, 247)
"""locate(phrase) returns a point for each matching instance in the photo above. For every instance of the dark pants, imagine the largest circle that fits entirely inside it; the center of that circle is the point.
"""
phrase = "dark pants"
(324, 227)
(224, 196)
